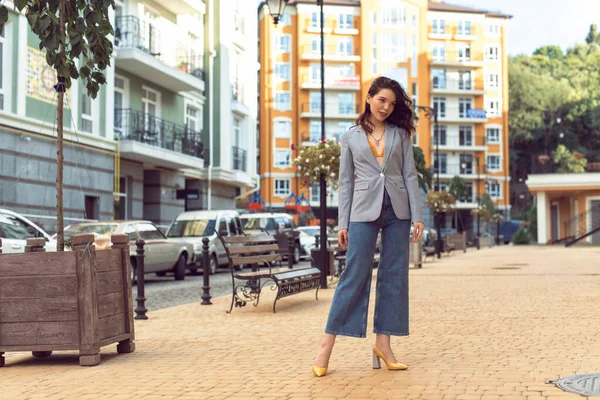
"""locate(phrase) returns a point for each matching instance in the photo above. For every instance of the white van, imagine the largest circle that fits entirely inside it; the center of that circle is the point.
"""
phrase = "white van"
(192, 226)
(15, 229)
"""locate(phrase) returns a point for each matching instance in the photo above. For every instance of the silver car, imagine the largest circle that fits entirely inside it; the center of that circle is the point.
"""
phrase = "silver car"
(193, 226)
(161, 255)
(15, 229)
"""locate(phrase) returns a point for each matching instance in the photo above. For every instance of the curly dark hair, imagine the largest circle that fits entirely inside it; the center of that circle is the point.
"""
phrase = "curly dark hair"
(402, 116)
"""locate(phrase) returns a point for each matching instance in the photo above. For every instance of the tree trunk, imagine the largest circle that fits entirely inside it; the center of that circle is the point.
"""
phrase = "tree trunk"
(60, 223)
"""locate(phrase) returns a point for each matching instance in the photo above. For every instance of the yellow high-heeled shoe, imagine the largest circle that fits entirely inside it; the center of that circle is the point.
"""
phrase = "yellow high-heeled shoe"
(377, 355)
(319, 371)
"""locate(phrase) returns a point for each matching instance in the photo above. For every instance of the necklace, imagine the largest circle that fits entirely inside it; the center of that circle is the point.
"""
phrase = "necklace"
(375, 139)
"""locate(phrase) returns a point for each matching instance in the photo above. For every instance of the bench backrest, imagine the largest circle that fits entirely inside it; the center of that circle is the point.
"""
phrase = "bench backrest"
(247, 250)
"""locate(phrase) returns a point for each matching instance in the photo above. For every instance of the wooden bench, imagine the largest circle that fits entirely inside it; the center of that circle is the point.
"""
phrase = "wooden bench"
(264, 251)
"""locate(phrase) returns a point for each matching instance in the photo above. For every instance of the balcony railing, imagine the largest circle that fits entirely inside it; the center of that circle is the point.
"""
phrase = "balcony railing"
(458, 168)
(316, 136)
(342, 81)
(456, 84)
(237, 91)
(460, 141)
(463, 113)
(336, 108)
(332, 50)
(131, 32)
(145, 128)
(465, 55)
(239, 159)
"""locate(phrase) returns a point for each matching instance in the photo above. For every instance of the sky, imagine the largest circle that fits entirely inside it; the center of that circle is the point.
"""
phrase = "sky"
(538, 23)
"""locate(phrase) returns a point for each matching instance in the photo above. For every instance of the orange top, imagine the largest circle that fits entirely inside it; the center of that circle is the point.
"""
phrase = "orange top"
(374, 149)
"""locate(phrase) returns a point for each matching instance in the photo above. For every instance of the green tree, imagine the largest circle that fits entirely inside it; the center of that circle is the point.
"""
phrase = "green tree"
(567, 161)
(423, 173)
(592, 36)
(549, 51)
(70, 31)
(457, 187)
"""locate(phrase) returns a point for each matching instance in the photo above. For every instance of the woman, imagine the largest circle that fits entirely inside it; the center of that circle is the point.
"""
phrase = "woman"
(378, 189)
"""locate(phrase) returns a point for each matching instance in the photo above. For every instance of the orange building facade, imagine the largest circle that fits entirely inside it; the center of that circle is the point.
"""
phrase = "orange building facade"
(450, 57)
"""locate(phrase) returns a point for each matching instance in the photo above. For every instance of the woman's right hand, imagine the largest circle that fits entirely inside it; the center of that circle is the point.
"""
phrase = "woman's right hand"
(343, 238)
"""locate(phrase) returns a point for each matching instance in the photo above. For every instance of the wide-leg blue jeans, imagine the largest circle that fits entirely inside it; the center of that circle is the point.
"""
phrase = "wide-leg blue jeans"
(348, 313)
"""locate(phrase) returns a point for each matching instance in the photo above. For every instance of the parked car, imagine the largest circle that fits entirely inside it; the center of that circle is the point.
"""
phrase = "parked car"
(192, 226)
(162, 255)
(308, 236)
(15, 229)
(277, 224)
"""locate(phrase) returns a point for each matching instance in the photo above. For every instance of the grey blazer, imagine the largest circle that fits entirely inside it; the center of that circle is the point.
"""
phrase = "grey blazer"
(362, 180)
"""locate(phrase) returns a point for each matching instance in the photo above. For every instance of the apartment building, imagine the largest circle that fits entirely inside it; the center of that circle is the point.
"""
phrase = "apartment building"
(450, 57)
(158, 139)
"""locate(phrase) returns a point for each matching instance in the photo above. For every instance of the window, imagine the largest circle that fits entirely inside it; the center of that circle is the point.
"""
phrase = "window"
(494, 190)
(438, 52)
(121, 104)
(315, 193)
(282, 101)
(439, 103)
(148, 231)
(345, 46)
(315, 45)
(345, 21)
(439, 27)
(443, 186)
(282, 43)
(394, 15)
(282, 71)
(87, 117)
(464, 105)
(493, 108)
(346, 103)
(466, 164)
(492, 53)
(283, 129)
(464, 27)
(493, 30)
(464, 80)
(440, 133)
(374, 58)
(493, 80)
(470, 193)
(465, 135)
(493, 163)
(3, 72)
(282, 158)
(12, 227)
(414, 21)
(315, 102)
(285, 20)
(374, 18)
(443, 163)
(192, 118)
(343, 127)
(315, 20)
(237, 132)
(493, 135)
(439, 78)
(315, 131)
(346, 70)
(282, 187)
(394, 47)
(464, 52)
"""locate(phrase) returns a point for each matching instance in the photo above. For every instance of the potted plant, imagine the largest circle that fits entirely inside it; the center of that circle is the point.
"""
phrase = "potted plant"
(313, 160)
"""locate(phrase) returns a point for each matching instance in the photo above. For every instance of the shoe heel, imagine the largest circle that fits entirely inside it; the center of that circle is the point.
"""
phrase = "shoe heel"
(376, 362)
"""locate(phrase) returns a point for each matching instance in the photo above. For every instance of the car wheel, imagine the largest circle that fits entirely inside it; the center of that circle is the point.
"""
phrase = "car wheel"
(133, 271)
(194, 271)
(213, 265)
(180, 268)
(296, 254)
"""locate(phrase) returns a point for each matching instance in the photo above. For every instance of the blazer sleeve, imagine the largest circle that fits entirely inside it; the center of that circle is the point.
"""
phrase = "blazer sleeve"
(411, 181)
(345, 183)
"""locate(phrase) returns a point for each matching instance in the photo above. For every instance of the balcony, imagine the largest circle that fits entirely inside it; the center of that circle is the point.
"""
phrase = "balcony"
(239, 158)
(332, 111)
(467, 116)
(456, 86)
(338, 82)
(237, 98)
(441, 34)
(313, 137)
(332, 53)
(158, 55)
(465, 142)
(152, 140)
(464, 169)
(462, 58)
(463, 34)
(315, 26)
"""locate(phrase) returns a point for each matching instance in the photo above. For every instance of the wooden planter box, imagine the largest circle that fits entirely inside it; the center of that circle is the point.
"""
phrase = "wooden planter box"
(73, 300)
(459, 240)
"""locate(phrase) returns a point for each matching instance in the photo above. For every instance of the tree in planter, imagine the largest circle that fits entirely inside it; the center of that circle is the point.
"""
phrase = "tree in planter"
(312, 160)
(71, 32)
(457, 187)
(439, 203)
(567, 161)
(423, 173)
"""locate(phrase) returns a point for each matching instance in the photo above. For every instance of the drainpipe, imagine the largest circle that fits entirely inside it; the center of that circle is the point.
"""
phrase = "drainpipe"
(211, 91)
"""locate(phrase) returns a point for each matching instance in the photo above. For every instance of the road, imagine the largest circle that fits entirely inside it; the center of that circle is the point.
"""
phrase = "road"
(165, 292)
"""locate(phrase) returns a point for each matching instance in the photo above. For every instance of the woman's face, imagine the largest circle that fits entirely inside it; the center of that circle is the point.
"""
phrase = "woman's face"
(382, 104)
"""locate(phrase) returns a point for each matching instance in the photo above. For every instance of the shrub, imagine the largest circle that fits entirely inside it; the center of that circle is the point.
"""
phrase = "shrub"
(522, 236)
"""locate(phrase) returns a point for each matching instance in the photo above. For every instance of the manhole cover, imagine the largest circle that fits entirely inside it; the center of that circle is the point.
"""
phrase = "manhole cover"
(584, 384)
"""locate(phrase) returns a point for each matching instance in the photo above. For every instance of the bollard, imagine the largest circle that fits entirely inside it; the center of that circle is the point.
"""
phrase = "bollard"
(0, 246)
(140, 310)
(317, 241)
(291, 248)
(205, 272)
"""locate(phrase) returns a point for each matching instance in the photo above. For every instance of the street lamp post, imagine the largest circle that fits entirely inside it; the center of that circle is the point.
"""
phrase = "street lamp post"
(478, 200)
(431, 113)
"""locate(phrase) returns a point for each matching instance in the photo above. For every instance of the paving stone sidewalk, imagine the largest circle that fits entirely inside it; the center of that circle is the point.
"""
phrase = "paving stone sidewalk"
(489, 324)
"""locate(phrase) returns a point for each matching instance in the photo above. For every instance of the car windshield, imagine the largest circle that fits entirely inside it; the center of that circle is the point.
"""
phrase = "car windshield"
(312, 231)
(12, 227)
(256, 224)
(99, 229)
(195, 228)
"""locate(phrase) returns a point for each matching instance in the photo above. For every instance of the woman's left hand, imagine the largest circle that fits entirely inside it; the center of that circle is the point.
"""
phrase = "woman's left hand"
(418, 226)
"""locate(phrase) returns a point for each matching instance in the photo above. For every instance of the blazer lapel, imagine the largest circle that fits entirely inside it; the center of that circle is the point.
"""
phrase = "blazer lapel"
(364, 144)
(390, 136)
